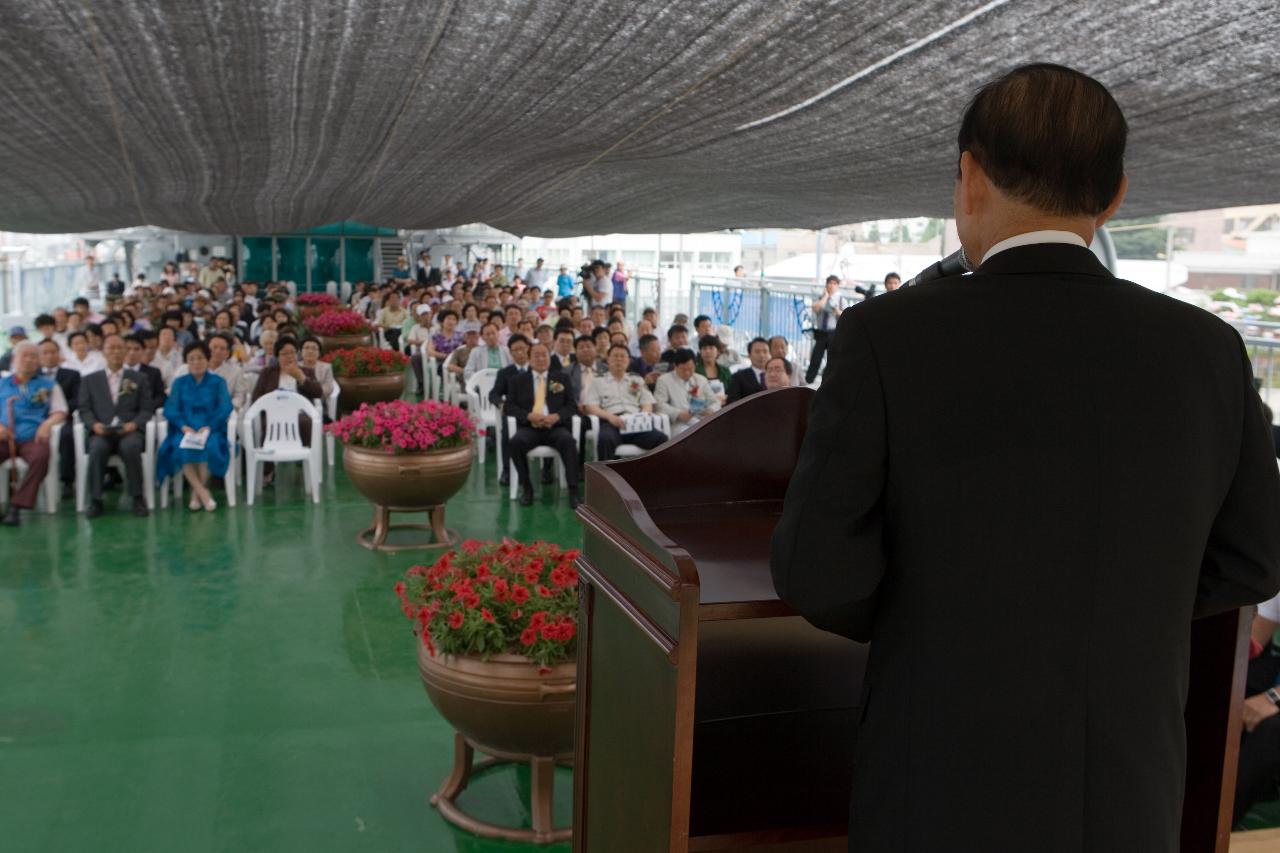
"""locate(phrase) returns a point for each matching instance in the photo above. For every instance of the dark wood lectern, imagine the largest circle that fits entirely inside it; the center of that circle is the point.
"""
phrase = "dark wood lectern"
(709, 716)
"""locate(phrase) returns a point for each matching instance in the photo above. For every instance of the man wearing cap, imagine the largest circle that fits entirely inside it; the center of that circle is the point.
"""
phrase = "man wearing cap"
(17, 334)
(456, 363)
(31, 405)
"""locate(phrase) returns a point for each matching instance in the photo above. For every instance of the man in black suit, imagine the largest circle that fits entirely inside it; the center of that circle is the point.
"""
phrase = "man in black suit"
(69, 381)
(1061, 530)
(750, 380)
(135, 359)
(542, 403)
(115, 405)
(518, 346)
(427, 274)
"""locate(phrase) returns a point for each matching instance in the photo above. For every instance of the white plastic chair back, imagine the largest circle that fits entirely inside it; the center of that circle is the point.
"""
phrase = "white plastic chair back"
(52, 485)
(281, 439)
(331, 288)
(483, 413)
(344, 292)
(575, 429)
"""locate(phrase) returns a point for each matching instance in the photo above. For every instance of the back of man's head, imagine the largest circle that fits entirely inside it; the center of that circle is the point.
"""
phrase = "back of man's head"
(1050, 137)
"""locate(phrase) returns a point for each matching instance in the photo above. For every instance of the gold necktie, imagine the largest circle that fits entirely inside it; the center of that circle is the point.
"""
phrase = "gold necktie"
(540, 394)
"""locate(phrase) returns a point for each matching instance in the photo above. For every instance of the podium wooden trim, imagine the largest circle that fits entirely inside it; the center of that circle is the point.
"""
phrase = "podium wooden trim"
(698, 689)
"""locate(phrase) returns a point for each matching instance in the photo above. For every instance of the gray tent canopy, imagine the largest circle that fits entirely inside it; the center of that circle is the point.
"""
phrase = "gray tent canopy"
(564, 117)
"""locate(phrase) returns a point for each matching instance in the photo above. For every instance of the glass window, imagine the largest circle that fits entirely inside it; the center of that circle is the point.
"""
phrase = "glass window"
(639, 259)
(291, 260)
(255, 259)
(358, 253)
(326, 262)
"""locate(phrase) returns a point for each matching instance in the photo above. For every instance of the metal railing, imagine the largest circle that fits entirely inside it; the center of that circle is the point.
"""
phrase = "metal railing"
(30, 290)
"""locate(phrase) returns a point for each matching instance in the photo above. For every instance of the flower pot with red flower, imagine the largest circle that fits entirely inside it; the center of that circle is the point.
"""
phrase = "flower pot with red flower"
(339, 329)
(313, 304)
(406, 457)
(367, 375)
(497, 629)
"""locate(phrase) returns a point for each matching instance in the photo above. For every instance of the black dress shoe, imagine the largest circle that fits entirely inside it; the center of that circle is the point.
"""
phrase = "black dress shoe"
(526, 496)
(11, 517)
(140, 508)
(574, 500)
(68, 491)
(504, 481)
(95, 509)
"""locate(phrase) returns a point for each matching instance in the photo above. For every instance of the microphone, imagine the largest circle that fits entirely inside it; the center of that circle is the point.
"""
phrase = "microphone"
(953, 264)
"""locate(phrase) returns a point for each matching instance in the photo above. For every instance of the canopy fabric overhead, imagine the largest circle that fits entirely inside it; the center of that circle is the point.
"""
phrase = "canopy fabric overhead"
(566, 117)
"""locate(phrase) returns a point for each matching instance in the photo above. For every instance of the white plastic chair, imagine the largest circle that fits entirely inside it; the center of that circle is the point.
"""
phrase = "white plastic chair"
(80, 440)
(344, 292)
(483, 413)
(52, 485)
(331, 288)
(624, 450)
(178, 483)
(451, 389)
(281, 441)
(331, 408)
(541, 453)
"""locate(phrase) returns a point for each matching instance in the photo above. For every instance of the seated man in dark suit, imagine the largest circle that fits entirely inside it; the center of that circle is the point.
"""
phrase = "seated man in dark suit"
(136, 359)
(115, 405)
(646, 364)
(69, 381)
(542, 403)
(518, 346)
(750, 380)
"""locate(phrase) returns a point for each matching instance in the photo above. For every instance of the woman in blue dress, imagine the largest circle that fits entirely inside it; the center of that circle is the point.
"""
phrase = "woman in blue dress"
(198, 402)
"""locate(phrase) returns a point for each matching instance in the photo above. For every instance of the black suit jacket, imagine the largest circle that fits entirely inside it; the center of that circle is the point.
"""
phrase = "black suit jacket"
(1021, 486)
(428, 277)
(69, 381)
(743, 384)
(155, 380)
(520, 393)
(501, 382)
(133, 403)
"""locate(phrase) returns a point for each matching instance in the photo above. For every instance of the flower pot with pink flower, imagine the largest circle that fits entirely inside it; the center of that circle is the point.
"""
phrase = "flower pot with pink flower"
(406, 457)
(313, 304)
(336, 329)
(497, 629)
(367, 375)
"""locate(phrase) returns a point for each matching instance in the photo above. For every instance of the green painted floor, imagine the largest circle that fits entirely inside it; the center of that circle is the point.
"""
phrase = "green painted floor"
(241, 681)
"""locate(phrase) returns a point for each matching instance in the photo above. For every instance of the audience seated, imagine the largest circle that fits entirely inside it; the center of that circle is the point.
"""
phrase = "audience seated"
(490, 355)
(115, 406)
(708, 364)
(750, 380)
(614, 395)
(322, 370)
(199, 404)
(541, 401)
(519, 352)
(778, 349)
(136, 358)
(50, 355)
(31, 405)
(683, 395)
(83, 357)
(777, 373)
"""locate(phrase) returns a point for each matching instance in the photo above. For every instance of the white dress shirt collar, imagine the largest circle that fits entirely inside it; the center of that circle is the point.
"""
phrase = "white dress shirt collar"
(1032, 237)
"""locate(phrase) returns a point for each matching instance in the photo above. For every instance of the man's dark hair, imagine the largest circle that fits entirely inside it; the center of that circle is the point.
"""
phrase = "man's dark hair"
(583, 339)
(226, 337)
(285, 341)
(699, 319)
(1049, 137)
(71, 337)
(682, 356)
(93, 329)
(890, 275)
(622, 347)
(598, 331)
(45, 320)
(564, 330)
(675, 330)
(80, 301)
(755, 341)
(832, 278)
(645, 340)
(517, 338)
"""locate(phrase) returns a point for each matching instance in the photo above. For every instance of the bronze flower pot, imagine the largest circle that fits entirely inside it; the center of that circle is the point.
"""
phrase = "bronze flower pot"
(407, 482)
(329, 343)
(503, 704)
(382, 388)
(505, 708)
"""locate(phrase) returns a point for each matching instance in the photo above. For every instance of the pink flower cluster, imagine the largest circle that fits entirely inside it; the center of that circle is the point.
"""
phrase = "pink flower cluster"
(337, 323)
(400, 427)
(316, 299)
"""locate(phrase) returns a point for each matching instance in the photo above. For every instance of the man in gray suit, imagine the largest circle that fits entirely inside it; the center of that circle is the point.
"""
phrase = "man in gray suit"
(115, 405)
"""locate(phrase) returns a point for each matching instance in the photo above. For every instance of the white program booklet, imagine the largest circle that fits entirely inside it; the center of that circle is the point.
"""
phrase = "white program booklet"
(194, 440)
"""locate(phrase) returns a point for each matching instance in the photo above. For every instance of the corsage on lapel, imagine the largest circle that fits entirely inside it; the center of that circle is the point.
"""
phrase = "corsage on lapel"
(127, 386)
(555, 387)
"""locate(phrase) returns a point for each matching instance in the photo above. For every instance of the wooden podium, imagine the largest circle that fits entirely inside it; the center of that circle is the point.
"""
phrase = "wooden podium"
(709, 716)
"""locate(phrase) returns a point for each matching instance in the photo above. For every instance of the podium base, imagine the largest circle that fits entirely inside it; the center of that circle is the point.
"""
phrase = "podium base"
(540, 800)
(375, 538)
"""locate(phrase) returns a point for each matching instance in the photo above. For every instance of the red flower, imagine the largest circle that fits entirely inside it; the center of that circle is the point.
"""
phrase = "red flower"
(471, 546)
(400, 589)
(538, 619)
(519, 594)
(485, 614)
(528, 637)
(544, 591)
(455, 620)
(471, 601)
